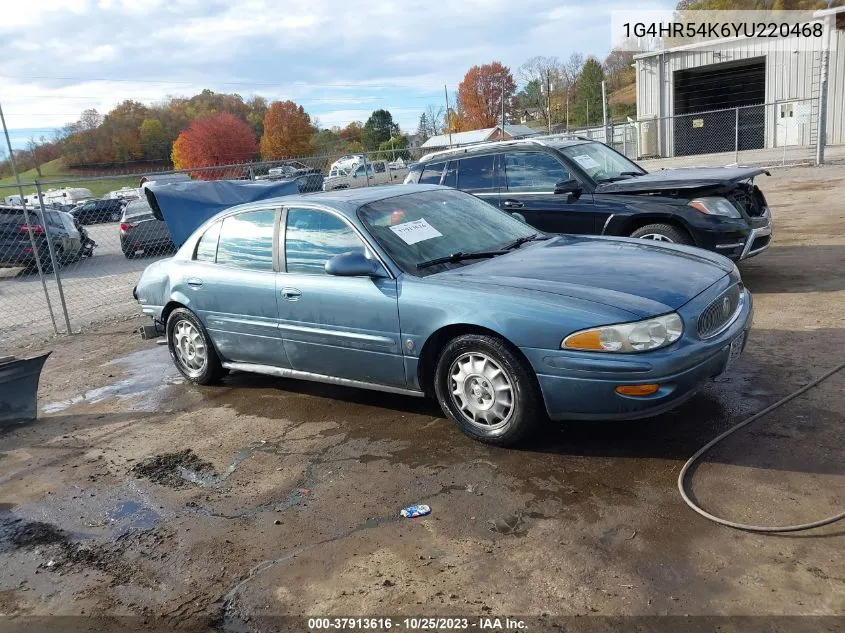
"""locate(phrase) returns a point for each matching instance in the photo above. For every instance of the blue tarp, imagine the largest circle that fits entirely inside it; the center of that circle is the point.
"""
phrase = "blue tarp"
(184, 206)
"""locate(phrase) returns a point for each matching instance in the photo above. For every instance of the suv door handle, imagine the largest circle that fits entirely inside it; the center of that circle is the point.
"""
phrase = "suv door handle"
(291, 294)
(513, 204)
(194, 282)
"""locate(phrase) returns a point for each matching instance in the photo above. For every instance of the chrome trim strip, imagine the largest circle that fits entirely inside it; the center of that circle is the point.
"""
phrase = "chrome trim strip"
(753, 235)
(606, 222)
(743, 299)
(734, 245)
(355, 336)
(284, 372)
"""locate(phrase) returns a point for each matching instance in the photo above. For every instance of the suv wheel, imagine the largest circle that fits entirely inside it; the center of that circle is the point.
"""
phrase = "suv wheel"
(663, 233)
(191, 348)
(483, 386)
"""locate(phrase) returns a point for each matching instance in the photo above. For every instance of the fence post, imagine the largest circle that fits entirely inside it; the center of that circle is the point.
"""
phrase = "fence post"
(46, 226)
(822, 122)
(28, 223)
(736, 138)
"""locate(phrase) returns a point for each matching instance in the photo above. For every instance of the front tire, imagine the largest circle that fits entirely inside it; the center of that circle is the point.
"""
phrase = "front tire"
(663, 233)
(191, 348)
(487, 389)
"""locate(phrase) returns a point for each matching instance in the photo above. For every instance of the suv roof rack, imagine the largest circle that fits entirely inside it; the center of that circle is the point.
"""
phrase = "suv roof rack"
(495, 144)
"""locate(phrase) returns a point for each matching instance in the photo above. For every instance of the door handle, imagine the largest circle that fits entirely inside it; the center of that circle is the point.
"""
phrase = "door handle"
(512, 204)
(291, 294)
(194, 282)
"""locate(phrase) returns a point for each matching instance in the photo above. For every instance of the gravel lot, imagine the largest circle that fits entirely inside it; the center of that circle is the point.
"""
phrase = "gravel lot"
(226, 507)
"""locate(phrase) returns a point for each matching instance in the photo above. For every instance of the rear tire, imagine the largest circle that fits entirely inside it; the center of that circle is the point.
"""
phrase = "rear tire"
(191, 348)
(663, 233)
(128, 253)
(488, 390)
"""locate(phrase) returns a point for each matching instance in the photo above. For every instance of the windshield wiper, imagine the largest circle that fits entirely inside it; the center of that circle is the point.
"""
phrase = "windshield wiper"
(523, 240)
(459, 257)
(614, 178)
(635, 174)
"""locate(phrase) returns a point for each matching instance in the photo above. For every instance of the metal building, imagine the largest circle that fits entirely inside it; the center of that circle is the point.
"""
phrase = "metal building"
(743, 94)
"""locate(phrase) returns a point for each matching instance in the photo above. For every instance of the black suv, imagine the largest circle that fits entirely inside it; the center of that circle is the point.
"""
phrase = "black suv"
(582, 186)
(19, 249)
(95, 211)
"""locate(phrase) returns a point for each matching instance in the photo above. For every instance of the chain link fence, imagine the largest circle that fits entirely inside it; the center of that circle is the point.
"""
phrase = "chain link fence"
(71, 254)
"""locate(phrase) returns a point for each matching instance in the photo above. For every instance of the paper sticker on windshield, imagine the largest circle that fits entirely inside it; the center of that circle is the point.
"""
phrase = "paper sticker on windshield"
(585, 161)
(416, 231)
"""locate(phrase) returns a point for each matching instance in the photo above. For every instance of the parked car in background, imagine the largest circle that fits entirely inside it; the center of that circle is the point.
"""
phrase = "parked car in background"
(124, 193)
(96, 211)
(430, 291)
(585, 187)
(367, 174)
(16, 248)
(141, 231)
(348, 162)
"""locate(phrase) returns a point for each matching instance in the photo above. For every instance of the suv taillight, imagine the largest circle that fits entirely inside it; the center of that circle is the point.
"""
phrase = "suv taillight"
(36, 228)
(125, 226)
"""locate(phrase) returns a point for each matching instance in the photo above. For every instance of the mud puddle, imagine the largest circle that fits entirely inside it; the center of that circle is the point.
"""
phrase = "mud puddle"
(146, 375)
(177, 470)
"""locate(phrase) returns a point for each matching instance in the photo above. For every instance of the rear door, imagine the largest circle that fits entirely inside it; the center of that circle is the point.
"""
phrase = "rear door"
(347, 327)
(528, 188)
(477, 175)
(231, 286)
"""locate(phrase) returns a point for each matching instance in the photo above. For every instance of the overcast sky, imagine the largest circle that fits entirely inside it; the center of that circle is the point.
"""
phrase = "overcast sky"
(339, 59)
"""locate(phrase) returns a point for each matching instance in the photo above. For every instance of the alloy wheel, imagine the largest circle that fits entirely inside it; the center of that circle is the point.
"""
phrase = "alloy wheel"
(482, 390)
(189, 347)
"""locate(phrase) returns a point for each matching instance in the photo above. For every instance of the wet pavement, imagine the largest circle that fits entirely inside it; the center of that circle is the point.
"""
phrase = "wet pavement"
(224, 507)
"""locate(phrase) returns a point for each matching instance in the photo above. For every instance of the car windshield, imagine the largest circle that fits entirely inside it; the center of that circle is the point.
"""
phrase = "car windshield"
(601, 163)
(426, 225)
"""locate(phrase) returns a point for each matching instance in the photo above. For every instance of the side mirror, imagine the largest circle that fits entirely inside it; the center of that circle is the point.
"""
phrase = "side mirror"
(568, 186)
(353, 264)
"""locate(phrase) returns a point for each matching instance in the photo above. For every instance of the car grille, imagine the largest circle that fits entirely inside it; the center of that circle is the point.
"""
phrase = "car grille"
(720, 312)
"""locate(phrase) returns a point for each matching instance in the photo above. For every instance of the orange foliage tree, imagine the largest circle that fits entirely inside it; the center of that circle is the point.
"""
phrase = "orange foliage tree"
(219, 139)
(287, 131)
(481, 92)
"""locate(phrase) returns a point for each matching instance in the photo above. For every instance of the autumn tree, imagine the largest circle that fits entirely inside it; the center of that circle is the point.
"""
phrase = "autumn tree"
(257, 111)
(378, 129)
(351, 133)
(545, 85)
(324, 142)
(481, 94)
(217, 139)
(154, 140)
(287, 131)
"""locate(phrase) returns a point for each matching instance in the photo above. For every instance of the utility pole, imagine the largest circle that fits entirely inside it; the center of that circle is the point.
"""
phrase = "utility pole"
(549, 98)
(503, 108)
(448, 118)
(604, 110)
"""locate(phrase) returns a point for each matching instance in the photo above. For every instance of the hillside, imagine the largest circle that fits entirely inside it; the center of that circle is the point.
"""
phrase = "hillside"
(55, 169)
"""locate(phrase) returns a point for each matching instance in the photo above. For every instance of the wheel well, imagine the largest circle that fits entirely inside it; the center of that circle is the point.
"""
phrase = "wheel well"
(638, 222)
(167, 309)
(439, 339)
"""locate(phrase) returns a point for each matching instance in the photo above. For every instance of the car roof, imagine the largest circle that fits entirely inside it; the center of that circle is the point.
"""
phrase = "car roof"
(497, 146)
(346, 201)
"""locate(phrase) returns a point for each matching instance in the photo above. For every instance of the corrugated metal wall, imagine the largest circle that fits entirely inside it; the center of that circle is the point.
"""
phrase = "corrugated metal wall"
(790, 76)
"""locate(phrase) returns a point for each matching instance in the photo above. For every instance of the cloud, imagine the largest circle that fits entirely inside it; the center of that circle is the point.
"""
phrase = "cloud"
(335, 57)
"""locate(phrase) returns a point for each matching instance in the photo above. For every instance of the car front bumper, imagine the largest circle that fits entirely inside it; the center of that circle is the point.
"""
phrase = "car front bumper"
(582, 386)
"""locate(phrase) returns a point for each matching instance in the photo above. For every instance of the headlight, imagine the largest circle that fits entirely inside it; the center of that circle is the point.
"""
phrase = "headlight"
(715, 205)
(638, 336)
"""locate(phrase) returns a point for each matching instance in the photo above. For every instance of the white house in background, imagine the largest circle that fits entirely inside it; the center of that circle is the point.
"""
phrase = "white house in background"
(474, 137)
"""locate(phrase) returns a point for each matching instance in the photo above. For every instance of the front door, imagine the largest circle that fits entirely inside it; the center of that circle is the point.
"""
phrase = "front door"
(231, 285)
(347, 327)
(530, 179)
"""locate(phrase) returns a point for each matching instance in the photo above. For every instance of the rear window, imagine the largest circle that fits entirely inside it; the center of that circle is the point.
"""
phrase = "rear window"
(431, 174)
(138, 210)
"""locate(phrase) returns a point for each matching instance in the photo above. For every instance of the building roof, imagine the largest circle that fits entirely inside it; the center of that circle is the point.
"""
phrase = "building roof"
(457, 139)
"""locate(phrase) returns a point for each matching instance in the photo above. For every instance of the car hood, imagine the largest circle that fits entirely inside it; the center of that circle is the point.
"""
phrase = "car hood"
(641, 277)
(682, 178)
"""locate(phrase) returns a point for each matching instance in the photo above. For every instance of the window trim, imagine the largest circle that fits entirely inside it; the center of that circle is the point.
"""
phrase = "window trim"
(318, 207)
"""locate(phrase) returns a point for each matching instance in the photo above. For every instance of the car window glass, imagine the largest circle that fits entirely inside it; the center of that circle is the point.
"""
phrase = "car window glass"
(431, 174)
(379, 168)
(476, 173)
(53, 220)
(207, 245)
(313, 237)
(137, 210)
(451, 177)
(533, 171)
(246, 240)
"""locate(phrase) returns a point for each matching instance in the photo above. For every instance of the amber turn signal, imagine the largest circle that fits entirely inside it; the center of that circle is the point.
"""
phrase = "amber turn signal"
(637, 390)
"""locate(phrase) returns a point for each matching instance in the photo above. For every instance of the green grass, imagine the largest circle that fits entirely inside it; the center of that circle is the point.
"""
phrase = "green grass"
(56, 169)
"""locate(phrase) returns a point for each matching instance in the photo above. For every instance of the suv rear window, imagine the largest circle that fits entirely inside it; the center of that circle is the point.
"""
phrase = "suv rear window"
(431, 174)
(476, 173)
(137, 210)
